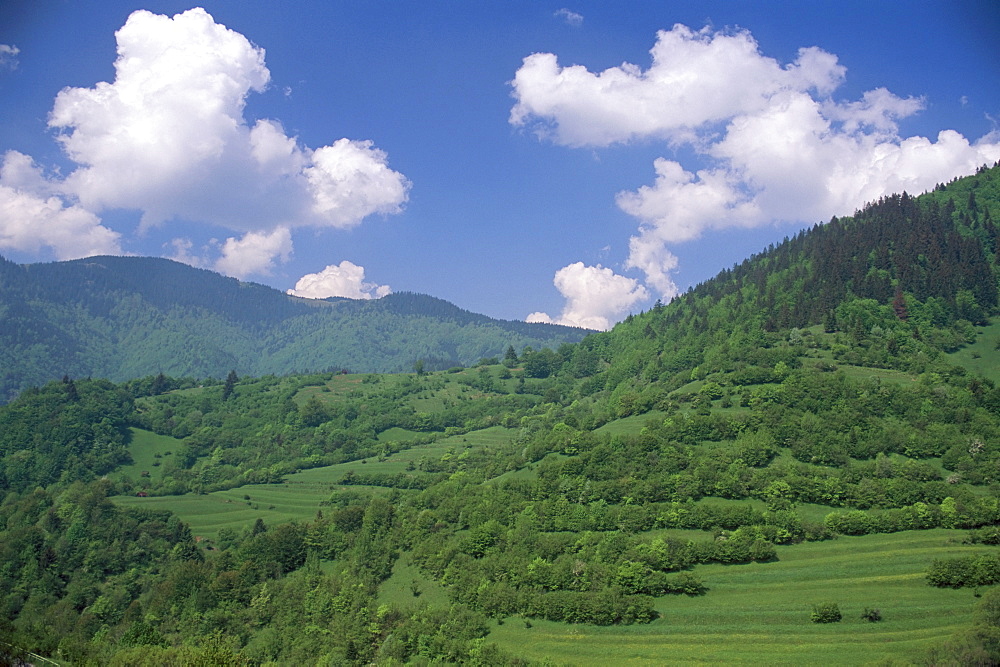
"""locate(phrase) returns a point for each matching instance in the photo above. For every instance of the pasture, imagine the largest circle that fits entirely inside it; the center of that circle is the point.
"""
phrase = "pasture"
(150, 452)
(300, 495)
(982, 356)
(759, 613)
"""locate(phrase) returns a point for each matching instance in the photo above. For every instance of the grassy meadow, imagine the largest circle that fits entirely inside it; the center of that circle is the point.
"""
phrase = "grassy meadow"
(150, 452)
(759, 613)
(300, 495)
(983, 356)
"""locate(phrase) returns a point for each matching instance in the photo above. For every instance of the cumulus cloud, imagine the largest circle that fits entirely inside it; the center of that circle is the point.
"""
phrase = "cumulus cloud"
(570, 17)
(168, 137)
(595, 297)
(775, 146)
(346, 279)
(33, 217)
(255, 253)
(696, 78)
(8, 56)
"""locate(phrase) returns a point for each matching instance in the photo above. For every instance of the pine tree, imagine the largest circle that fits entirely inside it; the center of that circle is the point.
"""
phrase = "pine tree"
(231, 381)
(899, 305)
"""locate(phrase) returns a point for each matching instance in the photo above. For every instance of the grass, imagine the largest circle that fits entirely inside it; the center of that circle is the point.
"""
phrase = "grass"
(149, 453)
(981, 357)
(300, 495)
(397, 590)
(759, 613)
(209, 513)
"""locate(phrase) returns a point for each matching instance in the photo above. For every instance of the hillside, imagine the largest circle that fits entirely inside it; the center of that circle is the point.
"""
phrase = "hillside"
(797, 462)
(125, 317)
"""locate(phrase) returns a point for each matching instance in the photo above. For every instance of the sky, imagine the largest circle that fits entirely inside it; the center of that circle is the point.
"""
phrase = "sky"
(566, 162)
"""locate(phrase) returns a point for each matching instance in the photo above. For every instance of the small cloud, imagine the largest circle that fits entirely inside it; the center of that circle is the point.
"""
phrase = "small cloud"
(964, 100)
(595, 297)
(346, 279)
(8, 57)
(255, 253)
(570, 17)
(181, 252)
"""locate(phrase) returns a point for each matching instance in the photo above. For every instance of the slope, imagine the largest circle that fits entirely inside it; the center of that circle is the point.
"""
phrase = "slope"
(683, 488)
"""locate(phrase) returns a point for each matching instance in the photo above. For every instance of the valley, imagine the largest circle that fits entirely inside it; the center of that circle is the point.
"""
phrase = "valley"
(745, 475)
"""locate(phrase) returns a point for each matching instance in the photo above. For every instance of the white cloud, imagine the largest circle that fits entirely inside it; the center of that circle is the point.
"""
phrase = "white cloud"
(255, 253)
(8, 56)
(570, 17)
(595, 297)
(775, 146)
(33, 217)
(696, 78)
(181, 252)
(350, 180)
(346, 279)
(168, 137)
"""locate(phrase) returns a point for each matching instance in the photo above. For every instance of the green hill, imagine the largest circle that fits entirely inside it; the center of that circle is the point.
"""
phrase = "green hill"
(796, 462)
(125, 317)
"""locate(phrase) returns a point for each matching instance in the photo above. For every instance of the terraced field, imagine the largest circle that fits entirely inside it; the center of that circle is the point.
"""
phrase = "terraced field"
(300, 495)
(759, 613)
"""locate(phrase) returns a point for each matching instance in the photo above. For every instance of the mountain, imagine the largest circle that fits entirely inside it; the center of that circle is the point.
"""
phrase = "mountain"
(817, 427)
(125, 317)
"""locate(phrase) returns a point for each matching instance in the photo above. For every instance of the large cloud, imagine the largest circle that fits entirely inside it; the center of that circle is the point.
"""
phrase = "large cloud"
(595, 296)
(774, 144)
(168, 138)
(346, 279)
(696, 78)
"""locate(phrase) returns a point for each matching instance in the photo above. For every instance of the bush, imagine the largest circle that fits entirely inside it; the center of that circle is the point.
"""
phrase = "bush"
(827, 612)
(871, 614)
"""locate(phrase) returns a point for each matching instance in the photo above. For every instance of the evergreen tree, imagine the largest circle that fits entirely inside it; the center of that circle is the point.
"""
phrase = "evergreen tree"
(231, 381)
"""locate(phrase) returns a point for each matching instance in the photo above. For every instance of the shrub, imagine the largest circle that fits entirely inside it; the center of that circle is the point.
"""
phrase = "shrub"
(826, 612)
(871, 614)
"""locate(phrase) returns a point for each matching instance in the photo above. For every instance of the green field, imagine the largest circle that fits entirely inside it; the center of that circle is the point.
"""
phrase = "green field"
(397, 590)
(759, 613)
(149, 453)
(300, 495)
(981, 357)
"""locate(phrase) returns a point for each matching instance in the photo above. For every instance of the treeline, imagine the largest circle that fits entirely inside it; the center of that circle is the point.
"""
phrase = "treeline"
(64, 432)
(972, 570)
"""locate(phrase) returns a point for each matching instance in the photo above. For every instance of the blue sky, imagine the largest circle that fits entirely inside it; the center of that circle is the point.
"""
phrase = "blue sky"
(565, 162)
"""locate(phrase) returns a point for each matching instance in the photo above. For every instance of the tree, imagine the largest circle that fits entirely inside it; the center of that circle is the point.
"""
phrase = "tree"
(313, 412)
(510, 357)
(418, 366)
(231, 381)
(899, 305)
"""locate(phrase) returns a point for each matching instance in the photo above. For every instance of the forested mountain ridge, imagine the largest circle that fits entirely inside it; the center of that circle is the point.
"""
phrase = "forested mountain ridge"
(904, 278)
(125, 317)
(695, 479)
